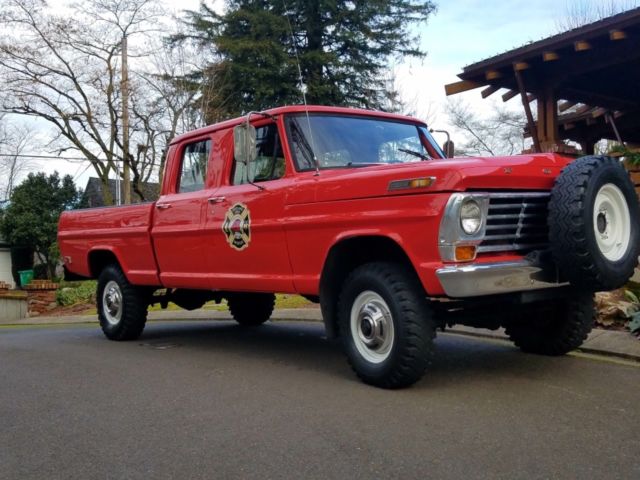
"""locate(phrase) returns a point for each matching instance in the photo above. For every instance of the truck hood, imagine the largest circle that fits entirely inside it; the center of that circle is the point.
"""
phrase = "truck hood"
(518, 172)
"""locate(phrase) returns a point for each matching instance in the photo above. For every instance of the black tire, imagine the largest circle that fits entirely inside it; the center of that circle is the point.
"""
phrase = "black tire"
(556, 327)
(134, 304)
(401, 361)
(251, 309)
(572, 231)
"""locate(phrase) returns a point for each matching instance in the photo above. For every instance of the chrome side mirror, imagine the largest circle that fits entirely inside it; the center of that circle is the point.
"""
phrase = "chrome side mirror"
(244, 145)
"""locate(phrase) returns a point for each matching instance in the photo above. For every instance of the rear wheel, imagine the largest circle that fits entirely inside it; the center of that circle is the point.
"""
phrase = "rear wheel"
(386, 325)
(122, 307)
(251, 309)
(555, 328)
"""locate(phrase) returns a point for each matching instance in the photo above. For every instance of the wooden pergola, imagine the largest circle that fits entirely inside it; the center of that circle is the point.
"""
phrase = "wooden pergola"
(584, 83)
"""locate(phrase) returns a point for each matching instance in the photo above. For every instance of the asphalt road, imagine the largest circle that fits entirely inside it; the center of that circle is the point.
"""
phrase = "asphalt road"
(212, 400)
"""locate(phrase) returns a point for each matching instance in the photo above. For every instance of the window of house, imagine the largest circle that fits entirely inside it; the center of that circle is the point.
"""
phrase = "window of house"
(193, 171)
(269, 164)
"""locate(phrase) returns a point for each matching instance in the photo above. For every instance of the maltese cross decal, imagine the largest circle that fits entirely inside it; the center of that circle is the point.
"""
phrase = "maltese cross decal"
(237, 226)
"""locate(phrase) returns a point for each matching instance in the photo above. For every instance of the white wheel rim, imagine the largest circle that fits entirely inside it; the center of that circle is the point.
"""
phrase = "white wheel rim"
(112, 302)
(372, 327)
(611, 222)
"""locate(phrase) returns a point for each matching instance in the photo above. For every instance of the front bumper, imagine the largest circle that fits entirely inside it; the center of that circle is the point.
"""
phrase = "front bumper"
(476, 280)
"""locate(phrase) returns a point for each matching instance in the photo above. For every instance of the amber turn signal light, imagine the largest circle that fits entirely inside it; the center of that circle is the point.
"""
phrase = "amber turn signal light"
(465, 253)
(411, 183)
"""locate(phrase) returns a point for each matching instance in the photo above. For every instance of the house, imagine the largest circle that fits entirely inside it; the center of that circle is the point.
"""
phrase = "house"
(5, 263)
(92, 195)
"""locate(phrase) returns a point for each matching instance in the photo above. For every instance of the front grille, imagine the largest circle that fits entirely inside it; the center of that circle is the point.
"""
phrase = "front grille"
(516, 222)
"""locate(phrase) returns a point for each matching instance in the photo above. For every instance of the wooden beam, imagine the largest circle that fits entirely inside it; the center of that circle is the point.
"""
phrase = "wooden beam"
(462, 86)
(584, 109)
(509, 95)
(569, 126)
(527, 109)
(489, 91)
(564, 106)
(531, 97)
(492, 74)
(594, 98)
(582, 45)
(550, 56)
(617, 35)
(598, 112)
(519, 66)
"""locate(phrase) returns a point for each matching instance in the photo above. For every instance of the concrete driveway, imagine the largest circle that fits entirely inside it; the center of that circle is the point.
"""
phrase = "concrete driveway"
(212, 400)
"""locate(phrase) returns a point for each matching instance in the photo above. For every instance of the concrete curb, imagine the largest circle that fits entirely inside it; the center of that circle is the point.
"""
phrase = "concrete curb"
(600, 342)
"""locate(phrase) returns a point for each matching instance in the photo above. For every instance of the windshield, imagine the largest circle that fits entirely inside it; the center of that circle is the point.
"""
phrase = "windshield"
(348, 141)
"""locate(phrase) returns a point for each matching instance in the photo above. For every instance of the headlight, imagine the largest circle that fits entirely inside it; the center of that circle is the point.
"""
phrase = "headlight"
(462, 227)
(470, 217)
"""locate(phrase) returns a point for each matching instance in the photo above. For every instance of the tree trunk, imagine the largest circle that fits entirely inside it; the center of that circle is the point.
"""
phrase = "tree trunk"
(106, 191)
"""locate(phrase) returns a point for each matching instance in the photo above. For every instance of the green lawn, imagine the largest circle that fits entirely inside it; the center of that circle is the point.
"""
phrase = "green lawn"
(72, 293)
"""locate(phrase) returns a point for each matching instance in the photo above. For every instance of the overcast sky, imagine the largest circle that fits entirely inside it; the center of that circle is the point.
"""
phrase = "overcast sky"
(460, 33)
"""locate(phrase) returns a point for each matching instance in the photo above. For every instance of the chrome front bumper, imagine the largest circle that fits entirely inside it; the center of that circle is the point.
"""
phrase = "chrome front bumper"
(493, 278)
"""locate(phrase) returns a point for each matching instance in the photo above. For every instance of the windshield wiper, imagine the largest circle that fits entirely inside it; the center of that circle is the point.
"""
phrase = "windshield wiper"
(415, 154)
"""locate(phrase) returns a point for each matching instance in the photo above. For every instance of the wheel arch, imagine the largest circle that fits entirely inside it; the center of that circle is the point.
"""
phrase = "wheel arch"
(99, 258)
(347, 254)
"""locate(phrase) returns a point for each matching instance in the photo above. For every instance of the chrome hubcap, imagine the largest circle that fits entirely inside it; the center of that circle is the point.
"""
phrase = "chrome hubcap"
(611, 222)
(112, 302)
(372, 326)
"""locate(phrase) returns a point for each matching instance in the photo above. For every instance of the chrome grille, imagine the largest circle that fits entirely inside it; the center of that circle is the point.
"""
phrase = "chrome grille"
(516, 222)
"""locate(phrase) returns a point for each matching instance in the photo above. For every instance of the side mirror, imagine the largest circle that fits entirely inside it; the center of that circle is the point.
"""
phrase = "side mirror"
(449, 149)
(244, 145)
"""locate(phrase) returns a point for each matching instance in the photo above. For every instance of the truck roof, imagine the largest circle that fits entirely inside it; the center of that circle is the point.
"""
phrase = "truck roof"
(297, 109)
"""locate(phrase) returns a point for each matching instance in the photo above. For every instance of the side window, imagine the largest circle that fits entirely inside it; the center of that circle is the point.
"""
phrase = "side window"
(193, 170)
(269, 164)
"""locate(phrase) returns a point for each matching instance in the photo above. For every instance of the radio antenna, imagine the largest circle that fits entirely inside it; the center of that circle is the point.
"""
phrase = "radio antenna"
(303, 87)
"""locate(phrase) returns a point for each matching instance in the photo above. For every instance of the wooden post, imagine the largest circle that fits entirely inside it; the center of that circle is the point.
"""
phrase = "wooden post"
(542, 117)
(527, 110)
(124, 86)
(551, 117)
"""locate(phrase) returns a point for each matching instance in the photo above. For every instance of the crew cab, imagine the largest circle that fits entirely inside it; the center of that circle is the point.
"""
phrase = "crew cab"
(361, 211)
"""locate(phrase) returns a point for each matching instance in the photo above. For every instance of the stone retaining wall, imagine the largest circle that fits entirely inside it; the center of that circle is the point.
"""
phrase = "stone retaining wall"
(41, 297)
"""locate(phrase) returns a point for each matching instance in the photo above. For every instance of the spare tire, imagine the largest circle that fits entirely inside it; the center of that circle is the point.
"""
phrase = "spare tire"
(593, 224)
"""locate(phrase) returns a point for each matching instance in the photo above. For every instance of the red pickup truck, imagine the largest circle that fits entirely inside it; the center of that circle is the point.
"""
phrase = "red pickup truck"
(361, 212)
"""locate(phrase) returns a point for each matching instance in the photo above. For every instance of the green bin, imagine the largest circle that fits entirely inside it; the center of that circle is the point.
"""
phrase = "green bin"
(25, 277)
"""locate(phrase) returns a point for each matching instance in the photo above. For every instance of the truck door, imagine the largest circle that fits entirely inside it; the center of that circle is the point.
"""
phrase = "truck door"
(178, 228)
(246, 221)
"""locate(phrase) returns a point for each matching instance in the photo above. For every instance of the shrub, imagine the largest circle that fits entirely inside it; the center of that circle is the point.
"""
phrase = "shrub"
(71, 293)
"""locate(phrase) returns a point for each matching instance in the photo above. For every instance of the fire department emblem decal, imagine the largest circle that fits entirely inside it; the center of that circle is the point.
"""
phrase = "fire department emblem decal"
(237, 226)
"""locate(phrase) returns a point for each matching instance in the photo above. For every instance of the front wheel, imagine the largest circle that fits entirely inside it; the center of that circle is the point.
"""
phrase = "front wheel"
(555, 328)
(386, 325)
(122, 307)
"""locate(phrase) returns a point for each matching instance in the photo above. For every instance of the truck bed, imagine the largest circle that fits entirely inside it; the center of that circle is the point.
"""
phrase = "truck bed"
(123, 231)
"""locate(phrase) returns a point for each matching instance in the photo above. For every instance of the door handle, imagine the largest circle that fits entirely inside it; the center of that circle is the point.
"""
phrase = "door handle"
(213, 200)
(163, 206)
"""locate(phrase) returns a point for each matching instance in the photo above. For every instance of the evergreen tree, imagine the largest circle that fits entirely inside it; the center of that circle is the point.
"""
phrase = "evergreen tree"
(343, 49)
(31, 217)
